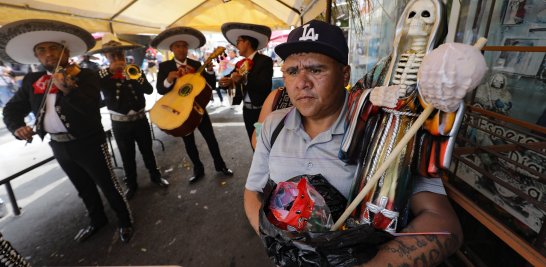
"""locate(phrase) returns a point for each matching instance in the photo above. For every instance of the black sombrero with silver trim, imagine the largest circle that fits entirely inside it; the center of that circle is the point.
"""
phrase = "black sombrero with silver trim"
(232, 30)
(110, 43)
(193, 37)
(18, 39)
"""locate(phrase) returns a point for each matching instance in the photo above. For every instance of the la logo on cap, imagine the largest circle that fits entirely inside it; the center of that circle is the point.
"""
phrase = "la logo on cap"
(308, 34)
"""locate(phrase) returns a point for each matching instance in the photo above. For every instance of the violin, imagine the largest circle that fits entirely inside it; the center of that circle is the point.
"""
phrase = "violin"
(71, 70)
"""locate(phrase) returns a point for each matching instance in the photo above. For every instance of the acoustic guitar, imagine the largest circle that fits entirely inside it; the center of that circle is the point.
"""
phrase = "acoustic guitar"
(235, 91)
(179, 112)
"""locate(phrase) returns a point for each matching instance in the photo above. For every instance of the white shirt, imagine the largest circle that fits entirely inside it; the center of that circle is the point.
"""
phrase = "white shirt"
(167, 84)
(247, 98)
(52, 122)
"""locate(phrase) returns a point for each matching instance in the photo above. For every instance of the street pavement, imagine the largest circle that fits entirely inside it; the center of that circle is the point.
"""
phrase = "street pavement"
(199, 224)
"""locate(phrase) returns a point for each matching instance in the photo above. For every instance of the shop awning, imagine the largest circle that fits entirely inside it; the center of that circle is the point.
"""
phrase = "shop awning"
(153, 16)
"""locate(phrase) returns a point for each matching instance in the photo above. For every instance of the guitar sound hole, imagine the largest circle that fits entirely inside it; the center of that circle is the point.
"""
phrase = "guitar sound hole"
(185, 90)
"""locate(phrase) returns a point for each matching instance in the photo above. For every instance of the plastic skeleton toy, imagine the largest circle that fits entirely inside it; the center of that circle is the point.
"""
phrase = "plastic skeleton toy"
(386, 101)
(420, 19)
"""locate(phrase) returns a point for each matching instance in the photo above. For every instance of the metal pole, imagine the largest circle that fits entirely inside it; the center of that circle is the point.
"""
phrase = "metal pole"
(12, 199)
(329, 11)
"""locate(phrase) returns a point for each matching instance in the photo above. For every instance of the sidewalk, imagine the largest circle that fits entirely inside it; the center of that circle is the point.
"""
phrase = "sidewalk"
(202, 224)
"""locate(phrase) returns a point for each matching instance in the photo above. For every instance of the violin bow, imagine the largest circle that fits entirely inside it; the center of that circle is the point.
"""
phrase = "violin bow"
(41, 111)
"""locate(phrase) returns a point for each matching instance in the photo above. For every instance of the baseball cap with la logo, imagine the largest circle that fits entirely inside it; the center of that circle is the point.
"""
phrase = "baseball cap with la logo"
(318, 37)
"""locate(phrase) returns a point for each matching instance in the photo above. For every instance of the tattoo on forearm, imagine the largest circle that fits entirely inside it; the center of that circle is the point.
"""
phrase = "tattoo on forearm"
(437, 252)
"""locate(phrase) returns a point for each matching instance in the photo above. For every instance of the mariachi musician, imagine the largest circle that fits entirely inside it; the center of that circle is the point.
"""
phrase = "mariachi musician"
(179, 40)
(71, 115)
(257, 83)
(123, 93)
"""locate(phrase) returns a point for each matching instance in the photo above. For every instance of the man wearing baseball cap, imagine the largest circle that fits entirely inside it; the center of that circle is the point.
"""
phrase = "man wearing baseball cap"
(306, 139)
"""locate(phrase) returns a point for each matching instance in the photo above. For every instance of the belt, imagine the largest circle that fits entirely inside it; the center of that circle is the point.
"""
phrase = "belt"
(135, 117)
(250, 106)
(62, 137)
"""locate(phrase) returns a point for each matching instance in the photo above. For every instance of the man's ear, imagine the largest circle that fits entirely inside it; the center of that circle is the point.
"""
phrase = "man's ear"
(346, 75)
(36, 56)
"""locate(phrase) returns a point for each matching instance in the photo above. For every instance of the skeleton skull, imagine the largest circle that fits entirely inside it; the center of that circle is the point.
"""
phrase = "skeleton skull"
(420, 18)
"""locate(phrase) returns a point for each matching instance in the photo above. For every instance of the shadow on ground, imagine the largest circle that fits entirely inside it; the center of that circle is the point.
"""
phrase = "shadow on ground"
(173, 226)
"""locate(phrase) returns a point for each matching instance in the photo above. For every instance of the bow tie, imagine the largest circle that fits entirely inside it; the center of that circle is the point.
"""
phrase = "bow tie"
(118, 75)
(184, 69)
(41, 85)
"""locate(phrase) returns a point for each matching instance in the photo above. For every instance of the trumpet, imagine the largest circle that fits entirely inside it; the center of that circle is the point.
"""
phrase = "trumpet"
(131, 72)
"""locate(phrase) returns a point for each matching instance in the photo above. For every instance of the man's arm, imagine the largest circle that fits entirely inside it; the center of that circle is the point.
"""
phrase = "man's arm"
(433, 213)
(161, 76)
(18, 108)
(253, 202)
(143, 84)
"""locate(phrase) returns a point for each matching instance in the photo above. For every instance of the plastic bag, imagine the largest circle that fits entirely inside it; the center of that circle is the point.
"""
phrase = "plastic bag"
(341, 248)
(299, 207)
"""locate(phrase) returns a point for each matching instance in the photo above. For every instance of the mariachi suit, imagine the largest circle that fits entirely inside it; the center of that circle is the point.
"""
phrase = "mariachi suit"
(258, 87)
(205, 127)
(85, 156)
(123, 96)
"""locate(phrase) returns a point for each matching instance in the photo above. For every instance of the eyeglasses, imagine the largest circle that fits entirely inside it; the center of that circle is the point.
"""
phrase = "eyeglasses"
(239, 41)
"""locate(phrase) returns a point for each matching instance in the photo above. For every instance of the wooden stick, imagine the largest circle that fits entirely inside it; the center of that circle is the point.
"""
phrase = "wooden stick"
(394, 154)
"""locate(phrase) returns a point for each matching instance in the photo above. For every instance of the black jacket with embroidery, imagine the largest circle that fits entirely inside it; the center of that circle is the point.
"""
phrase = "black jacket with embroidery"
(121, 95)
(259, 80)
(78, 110)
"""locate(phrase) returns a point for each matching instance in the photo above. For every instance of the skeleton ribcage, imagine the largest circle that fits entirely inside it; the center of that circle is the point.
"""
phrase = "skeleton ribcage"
(405, 73)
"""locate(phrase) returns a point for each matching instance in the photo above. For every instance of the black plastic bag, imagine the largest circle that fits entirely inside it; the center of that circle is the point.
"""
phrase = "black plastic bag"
(340, 248)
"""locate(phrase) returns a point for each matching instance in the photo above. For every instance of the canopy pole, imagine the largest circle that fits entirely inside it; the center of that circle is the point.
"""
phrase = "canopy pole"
(307, 9)
(329, 11)
(293, 9)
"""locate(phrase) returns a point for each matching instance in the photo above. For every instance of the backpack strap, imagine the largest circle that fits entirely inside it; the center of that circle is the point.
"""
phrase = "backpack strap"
(278, 129)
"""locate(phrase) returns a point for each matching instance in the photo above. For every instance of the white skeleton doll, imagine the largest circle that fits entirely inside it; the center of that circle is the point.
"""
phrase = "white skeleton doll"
(419, 22)
(416, 77)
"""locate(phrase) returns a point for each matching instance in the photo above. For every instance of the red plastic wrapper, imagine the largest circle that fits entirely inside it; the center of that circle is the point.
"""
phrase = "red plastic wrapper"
(299, 207)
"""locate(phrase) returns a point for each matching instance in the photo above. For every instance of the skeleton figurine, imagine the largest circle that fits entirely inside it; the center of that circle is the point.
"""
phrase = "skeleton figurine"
(387, 100)
(420, 19)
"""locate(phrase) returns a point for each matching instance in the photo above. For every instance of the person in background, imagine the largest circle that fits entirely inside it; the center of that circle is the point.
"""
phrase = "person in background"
(256, 86)
(159, 57)
(6, 84)
(152, 64)
(230, 62)
(211, 80)
(126, 102)
(179, 40)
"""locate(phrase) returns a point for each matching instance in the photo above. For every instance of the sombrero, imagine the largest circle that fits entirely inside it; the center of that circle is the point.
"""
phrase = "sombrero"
(18, 39)
(233, 30)
(110, 43)
(193, 37)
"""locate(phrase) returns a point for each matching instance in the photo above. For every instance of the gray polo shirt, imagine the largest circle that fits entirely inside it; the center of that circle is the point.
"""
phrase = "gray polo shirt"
(295, 153)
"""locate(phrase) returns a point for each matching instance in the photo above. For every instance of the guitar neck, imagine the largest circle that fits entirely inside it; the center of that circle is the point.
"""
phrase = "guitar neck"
(214, 54)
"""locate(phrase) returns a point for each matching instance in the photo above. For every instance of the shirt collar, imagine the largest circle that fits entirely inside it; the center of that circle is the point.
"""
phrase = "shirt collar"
(251, 57)
(178, 63)
(293, 120)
